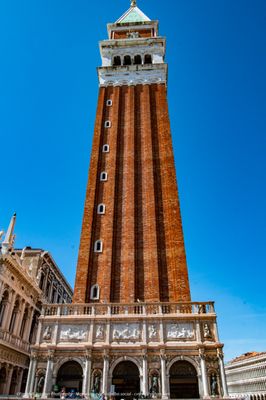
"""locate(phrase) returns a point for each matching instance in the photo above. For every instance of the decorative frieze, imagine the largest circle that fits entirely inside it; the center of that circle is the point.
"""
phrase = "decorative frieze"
(126, 332)
(72, 333)
(180, 331)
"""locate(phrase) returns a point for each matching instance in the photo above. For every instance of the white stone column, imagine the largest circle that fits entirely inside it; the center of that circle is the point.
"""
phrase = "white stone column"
(48, 377)
(87, 377)
(145, 389)
(222, 373)
(8, 312)
(28, 325)
(19, 319)
(105, 374)
(20, 376)
(204, 374)
(163, 377)
(31, 377)
(8, 379)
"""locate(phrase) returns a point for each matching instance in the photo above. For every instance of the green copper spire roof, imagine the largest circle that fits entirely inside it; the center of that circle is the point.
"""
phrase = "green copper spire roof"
(133, 14)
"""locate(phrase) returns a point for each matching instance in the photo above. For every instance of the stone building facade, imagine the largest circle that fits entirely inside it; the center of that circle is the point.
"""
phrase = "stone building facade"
(132, 330)
(28, 279)
(246, 376)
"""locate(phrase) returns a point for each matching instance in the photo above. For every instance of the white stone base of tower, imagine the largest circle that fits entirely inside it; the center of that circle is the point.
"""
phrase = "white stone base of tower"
(129, 351)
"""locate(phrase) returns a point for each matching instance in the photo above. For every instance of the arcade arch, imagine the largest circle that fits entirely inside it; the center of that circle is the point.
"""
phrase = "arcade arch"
(70, 376)
(126, 380)
(183, 380)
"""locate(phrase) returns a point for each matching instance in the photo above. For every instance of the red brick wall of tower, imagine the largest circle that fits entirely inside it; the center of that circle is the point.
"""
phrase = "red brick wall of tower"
(143, 255)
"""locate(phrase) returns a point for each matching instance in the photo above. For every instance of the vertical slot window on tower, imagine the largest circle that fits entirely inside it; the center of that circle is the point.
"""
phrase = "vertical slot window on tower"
(106, 148)
(103, 176)
(101, 209)
(109, 103)
(107, 124)
(98, 246)
(95, 292)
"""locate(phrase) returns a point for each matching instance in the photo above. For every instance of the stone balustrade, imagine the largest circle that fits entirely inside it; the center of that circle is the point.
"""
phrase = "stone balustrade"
(14, 341)
(140, 309)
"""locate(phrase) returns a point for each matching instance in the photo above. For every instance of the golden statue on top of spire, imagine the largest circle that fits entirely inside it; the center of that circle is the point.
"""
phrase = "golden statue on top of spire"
(133, 3)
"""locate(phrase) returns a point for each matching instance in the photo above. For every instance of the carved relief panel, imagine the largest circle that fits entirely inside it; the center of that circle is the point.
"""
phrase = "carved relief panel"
(180, 331)
(126, 332)
(47, 333)
(73, 333)
(206, 331)
(100, 332)
(153, 333)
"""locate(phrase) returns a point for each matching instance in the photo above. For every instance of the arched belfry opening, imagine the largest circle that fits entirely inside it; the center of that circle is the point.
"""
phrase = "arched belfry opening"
(126, 380)
(70, 377)
(183, 381)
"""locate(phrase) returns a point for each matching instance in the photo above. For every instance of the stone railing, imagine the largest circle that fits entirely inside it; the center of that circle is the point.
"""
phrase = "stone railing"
(140, 309)
(14, 341)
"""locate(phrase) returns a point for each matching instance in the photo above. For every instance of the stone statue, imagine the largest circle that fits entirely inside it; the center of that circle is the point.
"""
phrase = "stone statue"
(39, 275)
(154, 384)
(96, 384)
(47, 334)
(206, 332)
(40, 384)
(214, 385)
(133, 3)
(133, 35)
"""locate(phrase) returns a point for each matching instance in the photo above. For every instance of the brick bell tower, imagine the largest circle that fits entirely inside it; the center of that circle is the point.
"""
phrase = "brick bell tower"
(132, 330)
(132, 246)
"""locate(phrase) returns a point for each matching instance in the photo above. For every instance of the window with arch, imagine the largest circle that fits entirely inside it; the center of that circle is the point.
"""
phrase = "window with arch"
(95, 292)
(107, 124)
(117, 61)
(137, 60)
(101, 209)
(106, 148)
(103, 176)
(127, 60)
(147, 59)
(109, 103)
(98, 246)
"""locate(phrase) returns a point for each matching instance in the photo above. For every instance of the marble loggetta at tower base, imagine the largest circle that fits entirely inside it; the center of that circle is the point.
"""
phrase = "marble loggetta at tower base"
(132, 330)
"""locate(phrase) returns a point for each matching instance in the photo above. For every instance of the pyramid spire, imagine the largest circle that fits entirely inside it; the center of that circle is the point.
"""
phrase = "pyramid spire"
(133, 14)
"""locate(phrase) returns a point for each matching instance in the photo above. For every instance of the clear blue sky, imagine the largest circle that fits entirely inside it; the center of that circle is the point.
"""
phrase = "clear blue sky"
(217, 63)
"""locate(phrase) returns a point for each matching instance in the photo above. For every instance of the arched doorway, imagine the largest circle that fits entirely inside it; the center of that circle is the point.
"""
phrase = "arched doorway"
(183, 381)
(126, 380)
(70, 377)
